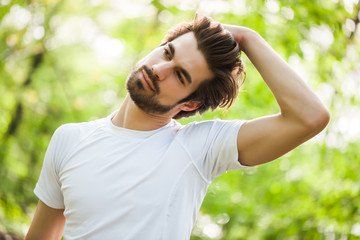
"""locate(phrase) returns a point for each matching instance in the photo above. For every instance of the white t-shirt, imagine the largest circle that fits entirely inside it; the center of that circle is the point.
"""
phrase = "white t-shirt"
(116, 183)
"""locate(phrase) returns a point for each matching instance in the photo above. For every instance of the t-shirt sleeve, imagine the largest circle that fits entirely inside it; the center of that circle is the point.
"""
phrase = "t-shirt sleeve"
(223, 155)
(48, 187)
(213, 146)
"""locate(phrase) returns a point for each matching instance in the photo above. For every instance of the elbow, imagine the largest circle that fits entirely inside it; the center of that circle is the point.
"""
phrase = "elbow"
(319, 121)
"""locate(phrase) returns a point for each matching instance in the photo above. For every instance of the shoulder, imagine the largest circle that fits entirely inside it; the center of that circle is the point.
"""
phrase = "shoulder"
(197, 126)
(211, 126)
(209, 133)
(73, 132)
(66, 138)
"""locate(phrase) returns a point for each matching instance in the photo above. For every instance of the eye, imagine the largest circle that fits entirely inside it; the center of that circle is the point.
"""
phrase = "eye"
(179, 76)
(167, 53)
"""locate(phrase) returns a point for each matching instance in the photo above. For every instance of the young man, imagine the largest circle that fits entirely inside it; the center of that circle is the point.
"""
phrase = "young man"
(138, 174)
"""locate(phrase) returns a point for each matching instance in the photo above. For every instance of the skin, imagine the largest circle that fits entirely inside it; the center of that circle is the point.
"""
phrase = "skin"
(167, 75)
(259, 140)
(302, 114)
(48, 223)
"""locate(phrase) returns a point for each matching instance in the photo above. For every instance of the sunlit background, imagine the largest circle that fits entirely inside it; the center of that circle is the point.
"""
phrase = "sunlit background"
(67, 61)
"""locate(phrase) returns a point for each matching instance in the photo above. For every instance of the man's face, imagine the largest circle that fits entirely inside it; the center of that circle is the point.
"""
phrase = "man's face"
(167, 75)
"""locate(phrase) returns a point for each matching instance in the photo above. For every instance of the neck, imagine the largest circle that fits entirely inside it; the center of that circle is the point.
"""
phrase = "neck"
(132, 117)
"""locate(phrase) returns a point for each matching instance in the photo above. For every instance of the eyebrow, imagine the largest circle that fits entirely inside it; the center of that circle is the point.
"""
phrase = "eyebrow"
(182, 70)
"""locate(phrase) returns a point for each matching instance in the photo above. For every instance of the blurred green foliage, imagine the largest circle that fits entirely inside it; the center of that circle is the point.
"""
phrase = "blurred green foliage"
(67, 61)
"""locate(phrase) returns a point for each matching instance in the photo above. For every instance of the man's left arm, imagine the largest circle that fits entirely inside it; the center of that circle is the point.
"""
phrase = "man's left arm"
(302, 113)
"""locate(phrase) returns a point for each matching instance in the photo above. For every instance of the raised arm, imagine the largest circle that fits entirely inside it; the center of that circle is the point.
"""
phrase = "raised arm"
(48, 223)
(302, 113)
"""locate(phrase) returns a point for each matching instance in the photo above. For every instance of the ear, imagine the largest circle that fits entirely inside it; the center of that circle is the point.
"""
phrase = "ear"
(190, 105)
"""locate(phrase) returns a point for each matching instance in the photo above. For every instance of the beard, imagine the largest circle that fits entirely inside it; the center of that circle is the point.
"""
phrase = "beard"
(144, 99)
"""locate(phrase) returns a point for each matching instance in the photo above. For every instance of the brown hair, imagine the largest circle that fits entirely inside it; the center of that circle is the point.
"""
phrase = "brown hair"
(222, 55)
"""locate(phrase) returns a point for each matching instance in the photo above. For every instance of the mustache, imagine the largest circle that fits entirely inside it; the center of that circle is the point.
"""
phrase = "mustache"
(152, 77)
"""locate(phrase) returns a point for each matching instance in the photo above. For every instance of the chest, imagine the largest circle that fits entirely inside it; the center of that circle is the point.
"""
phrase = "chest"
(125, 176)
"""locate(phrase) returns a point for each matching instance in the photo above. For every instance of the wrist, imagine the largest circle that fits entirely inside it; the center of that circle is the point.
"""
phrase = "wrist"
(248, 36)
(242, 35)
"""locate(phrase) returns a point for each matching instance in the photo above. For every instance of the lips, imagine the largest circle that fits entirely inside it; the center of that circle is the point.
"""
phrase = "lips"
(147, 82)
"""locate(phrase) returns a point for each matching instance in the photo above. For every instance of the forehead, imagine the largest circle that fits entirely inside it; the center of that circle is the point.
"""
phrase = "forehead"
(190, 58)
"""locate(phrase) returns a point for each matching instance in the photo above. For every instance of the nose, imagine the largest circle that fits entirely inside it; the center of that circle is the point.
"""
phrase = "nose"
(161, 70)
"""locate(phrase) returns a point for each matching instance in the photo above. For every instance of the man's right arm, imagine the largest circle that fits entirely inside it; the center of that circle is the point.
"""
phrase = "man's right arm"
(48, 223)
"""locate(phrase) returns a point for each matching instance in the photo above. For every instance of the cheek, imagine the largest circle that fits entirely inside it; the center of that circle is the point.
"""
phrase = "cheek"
(172, 92)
